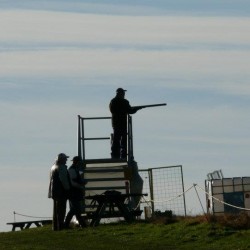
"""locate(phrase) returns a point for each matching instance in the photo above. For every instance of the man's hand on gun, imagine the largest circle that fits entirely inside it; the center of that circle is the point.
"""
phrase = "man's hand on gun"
(136, 108)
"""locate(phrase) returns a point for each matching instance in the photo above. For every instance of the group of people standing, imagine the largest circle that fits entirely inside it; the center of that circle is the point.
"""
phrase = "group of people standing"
(66, 184)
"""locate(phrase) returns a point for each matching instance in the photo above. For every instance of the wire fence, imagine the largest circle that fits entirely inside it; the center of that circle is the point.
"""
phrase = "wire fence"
(165, 189)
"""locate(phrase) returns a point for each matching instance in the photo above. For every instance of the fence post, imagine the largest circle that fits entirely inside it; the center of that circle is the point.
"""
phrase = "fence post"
(151, 187)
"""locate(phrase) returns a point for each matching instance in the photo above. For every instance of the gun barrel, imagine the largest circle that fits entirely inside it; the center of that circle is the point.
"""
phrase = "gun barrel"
(151, 105)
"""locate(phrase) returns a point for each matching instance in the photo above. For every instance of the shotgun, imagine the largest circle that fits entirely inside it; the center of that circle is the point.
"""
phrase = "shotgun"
(149, 106)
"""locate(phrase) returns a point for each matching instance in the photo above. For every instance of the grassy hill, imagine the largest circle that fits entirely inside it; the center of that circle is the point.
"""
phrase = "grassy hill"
(189, 233)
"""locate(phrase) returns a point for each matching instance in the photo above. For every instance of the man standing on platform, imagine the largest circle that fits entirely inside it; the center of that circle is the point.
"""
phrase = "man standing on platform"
(58, 190)
(120, 108)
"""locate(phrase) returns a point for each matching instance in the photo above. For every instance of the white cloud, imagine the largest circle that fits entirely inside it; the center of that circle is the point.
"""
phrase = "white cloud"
(219, 70)
(59, 27)
(186, 50)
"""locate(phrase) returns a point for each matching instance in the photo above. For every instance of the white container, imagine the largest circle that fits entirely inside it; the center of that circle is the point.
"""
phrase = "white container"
(246, 180)
(217, 190)
(218, 207)
(237, 181)
(228, 189)
(216, 183)
(227, 181)
(246, 188)
(238, 188)
(247, 201)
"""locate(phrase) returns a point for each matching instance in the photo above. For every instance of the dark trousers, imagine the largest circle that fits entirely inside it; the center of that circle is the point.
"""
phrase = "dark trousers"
(119, 143)
(75, 209)
(59, 211)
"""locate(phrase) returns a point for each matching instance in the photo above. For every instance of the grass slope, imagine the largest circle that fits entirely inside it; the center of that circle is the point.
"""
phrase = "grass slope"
(182, 234)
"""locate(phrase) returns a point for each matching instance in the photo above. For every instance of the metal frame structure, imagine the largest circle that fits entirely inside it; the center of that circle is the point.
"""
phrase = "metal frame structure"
(82, 138)
(172, 176)
(103, 174)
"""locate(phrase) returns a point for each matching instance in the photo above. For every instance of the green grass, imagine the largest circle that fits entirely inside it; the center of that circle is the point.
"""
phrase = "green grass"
(191, 233)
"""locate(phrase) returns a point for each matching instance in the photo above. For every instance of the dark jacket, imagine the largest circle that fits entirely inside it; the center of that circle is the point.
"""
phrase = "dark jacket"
(120, 108)
(77, 184)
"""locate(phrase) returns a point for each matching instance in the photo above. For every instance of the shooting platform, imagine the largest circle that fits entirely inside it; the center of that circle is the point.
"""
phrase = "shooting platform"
(108, 185)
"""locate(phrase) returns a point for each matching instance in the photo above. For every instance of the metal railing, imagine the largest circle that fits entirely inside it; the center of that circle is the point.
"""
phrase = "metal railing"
(82, 139)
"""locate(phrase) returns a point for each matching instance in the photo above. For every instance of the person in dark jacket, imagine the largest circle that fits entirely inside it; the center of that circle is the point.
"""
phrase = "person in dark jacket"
(120, 108)
(58, 190)
(76, 193)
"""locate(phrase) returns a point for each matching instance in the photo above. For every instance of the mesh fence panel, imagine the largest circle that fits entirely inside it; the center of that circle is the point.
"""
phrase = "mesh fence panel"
(165, 187)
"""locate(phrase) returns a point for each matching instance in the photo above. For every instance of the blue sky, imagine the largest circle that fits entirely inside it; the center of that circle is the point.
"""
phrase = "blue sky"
(60, 59)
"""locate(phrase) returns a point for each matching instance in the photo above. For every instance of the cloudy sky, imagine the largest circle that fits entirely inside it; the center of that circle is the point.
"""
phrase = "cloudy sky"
(60, 59)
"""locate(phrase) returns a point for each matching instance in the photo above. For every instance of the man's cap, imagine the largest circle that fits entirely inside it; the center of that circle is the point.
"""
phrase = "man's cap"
(76, 159)
(62, 156)
(120, 90)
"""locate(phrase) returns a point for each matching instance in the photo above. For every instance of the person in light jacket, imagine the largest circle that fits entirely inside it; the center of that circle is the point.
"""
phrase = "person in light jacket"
(59, 190)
